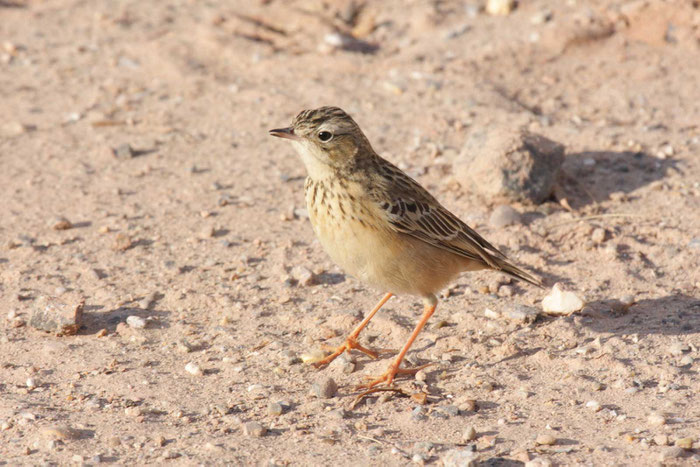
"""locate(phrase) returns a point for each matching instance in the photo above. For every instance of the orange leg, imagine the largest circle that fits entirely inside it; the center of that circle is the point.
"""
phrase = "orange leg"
(393, 370)
(351, 341)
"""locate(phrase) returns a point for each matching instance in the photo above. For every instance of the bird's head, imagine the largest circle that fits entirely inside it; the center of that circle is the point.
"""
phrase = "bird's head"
(327, 139)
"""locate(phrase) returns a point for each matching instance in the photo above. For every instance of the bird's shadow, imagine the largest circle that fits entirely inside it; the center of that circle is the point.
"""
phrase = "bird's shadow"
(676, 314)
(592, 176)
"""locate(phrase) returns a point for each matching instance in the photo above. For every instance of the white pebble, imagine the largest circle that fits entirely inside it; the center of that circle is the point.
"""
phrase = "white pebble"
(561, 302)
(593, 405)
(193, 369)
(136, 322)
(31, 383)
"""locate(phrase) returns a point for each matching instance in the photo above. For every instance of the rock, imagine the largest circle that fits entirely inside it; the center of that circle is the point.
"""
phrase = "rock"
(685, 443)
(522, 314)
(122, 242)
(61, 223)
(61, 432)
(655, 420)
(52, 315)
(136, 322)
(671, 452)
(418, 414)
(325, 388)
(560, 302)
(274, 409)
(469, 434)
(593, 405)
(599, 235)
(254, 429)
(124, 151)
(16, 128)
(459, 458)
(545, 440)
(678, 348)
(490, 314)
(468, 406)
(193, 369)
(303, 276)
(504, 215)
(661, 440)
(500, 7)
(512, 166)
(538, 462)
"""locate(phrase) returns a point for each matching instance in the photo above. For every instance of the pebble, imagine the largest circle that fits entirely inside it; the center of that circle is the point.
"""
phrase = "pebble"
(468, 406)
(61, 223)
(500, 7)
(538, 462)
(274, 408)
(561, 302)
(193, 369)
(254, 429)
(123, 151)
(325, 387)
(522, 314)
(136, 322)
(53, 315)
(313, 356)
(469, 434)
(418, 414)
(303, 276)
(489, 313)
(661, 440)
(503, 216)
(459, 458)
(694, 243)
(16, 128)
(344, 363)
(671, 452)
(656, 419)
(61, 432)
(599, 235)
(685, 443)
(545, 440)
(122, 242)
(31, 383)
(678, 348)
(593, 405)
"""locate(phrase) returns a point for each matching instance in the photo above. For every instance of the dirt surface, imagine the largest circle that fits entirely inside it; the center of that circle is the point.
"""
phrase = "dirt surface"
(198, 228)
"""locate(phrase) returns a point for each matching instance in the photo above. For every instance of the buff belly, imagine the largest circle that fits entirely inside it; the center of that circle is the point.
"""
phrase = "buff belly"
(382, 258)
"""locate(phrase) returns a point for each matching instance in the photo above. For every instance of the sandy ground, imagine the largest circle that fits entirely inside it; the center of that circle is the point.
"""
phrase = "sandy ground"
(199, 228)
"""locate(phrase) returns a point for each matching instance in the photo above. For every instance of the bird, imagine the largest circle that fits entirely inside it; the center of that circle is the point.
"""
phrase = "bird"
(381, 226)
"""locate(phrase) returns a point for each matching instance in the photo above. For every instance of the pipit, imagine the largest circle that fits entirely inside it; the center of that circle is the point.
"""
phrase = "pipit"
(380, 225)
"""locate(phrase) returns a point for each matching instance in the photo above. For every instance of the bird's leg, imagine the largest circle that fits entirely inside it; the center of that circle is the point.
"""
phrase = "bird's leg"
(393, 370)
(351, 340)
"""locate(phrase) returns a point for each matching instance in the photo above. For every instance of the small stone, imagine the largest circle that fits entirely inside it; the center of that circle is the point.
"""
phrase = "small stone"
(656, 419)
(671, 452)
(254, 429)
(599, 235)
(545, 440)
(193, 369)
(678, 348)
(469, 434)
(274, 409)
(500, 7)
(522, 314)
(31, 383)
(418, 414)
(459, 458)
(661, 440)
(123, 151)
(685, 443)
(419, 397)
(538, 462)
(136, 322)
(114, 441)
(593, 405)
(468, 406)
(489, 313)
(312, 357)
(5, 425)
(52, 315)
(61, 432)
(303, 276)
(325, 388)
(122, 242)
(560, 302)
(160, 440)
(503, 216)
(17, 128)
(61, 223)
(687, 360)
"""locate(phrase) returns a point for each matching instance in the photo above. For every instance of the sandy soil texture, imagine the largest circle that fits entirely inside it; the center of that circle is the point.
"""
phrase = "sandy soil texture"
(136, 174)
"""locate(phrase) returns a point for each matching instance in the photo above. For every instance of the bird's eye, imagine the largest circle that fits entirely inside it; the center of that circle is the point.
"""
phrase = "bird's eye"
(325, 136)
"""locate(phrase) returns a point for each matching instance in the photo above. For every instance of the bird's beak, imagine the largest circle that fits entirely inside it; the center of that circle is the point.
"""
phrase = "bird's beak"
(287, 133)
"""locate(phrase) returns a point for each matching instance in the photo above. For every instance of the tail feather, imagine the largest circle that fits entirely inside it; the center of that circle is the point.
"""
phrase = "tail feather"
(511, 270)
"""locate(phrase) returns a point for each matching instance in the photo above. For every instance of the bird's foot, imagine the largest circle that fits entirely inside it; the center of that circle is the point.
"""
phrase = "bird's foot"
(388, 377)
(349, 344)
